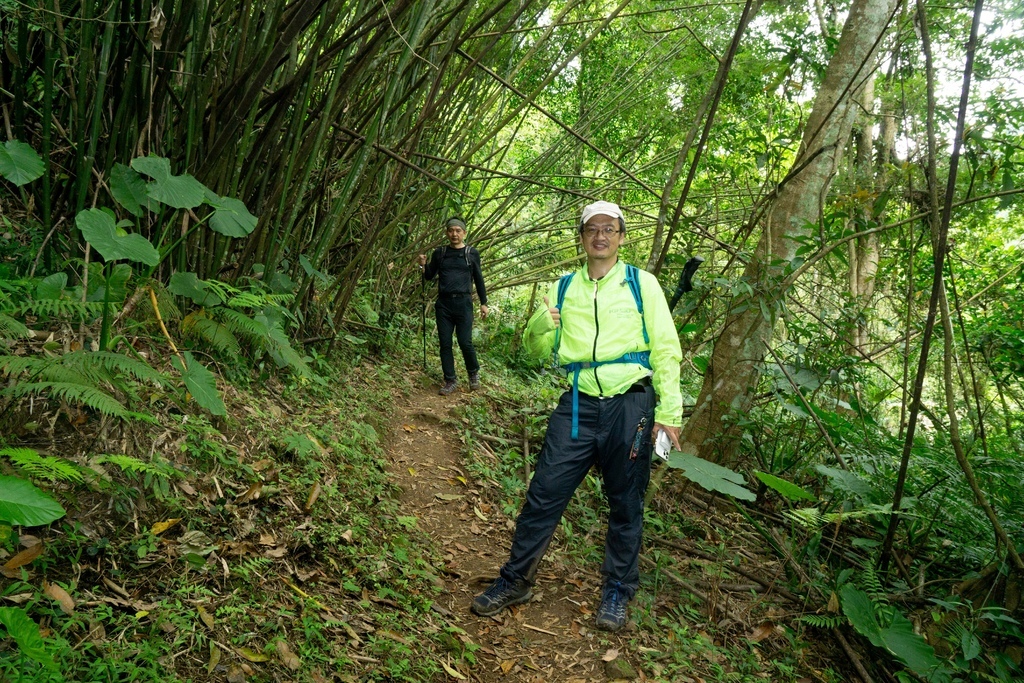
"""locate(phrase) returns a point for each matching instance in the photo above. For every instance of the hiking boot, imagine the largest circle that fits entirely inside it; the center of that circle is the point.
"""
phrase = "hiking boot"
(447, 388)
(500, 595)
(474, 381)
(611, 616)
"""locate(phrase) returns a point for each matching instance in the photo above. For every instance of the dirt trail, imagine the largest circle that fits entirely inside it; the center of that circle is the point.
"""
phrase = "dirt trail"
(551, 638)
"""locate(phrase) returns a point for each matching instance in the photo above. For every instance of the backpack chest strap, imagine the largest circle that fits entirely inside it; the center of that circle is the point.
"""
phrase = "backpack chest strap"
(636, 357)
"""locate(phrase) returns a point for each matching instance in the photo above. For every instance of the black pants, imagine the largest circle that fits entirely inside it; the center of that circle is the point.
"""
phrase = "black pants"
(456, 314)
(608, 429)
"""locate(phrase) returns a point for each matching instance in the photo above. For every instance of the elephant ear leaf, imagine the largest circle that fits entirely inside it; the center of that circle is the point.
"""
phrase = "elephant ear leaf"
(230, 216)
(177, 191)
(23, 504)
(25, 633)
(19, 163)
(711, 476)
(129, 189)
(201, 383)
(100, 231)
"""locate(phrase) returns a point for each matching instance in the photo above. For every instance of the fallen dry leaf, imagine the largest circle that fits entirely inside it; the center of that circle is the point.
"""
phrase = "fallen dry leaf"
(205, 616)
(314, 493)
(347, 536)
(278, 552)
(67, 604)
(10, 568)
(163, 526)
(761, 632)
(214, 658)
(287, 657)
(252, 493)
(506, 665)
(452, 672)
(253, 656)
(235, 675)
(611, 655)
(28, 540)
(117, 589)
(267, 539)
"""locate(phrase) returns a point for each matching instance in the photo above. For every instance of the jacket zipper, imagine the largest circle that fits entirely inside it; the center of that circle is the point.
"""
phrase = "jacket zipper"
(597, 331)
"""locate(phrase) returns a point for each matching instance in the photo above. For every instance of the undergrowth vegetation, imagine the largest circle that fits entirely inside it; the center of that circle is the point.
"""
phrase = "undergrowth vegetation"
(265, 541)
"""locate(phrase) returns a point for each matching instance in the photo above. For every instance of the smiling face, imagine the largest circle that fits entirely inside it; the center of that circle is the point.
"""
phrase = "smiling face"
(602, 236)
(456, 235)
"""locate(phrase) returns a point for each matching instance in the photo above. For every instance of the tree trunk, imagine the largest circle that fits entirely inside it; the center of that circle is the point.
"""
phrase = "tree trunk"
(864, 250)
(736, 363)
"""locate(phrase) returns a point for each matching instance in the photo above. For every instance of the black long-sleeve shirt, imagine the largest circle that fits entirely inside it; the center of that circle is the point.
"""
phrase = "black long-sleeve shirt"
(456, 271)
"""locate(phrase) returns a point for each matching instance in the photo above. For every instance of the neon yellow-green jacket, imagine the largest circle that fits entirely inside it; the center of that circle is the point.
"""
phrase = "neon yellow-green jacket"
(600, 322)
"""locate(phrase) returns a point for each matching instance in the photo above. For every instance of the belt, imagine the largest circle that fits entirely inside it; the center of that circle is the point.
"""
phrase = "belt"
(639, 387)
(453, 295)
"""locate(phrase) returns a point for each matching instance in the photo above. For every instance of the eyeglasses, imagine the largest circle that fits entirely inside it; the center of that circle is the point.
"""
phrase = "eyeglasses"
(606, 231)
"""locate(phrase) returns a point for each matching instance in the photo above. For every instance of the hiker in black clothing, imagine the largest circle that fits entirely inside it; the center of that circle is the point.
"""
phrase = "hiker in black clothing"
(457, 267)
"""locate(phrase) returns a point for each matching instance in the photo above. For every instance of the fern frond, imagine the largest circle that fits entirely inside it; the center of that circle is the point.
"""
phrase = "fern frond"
(165, 302)
(810, 518)
(115, 363)
(12, 366)
(872, 585)
(240, 323)
(43, 466)
(129, 464)
(90, 397)
(198, 326)
(823, 620)
(61, 308)
(247, 300)
(12, 329)
(288, 354)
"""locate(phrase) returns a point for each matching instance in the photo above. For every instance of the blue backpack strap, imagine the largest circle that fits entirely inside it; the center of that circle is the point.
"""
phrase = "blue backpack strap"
(563, 287)
(633, 280)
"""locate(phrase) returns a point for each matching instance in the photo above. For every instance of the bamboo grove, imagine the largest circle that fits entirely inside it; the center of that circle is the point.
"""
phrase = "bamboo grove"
(850, 172)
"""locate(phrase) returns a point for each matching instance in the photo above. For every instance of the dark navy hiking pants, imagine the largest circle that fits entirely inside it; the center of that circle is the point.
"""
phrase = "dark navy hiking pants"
(455, 314)
(609, 428)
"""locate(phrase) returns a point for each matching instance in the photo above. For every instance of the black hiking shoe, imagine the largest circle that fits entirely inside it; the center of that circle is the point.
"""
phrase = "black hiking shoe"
(611, 616)
(500, 595)
(474, 381)
(447, 388)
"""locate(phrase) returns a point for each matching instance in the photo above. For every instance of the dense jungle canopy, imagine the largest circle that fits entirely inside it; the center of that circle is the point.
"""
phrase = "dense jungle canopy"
(256, 180)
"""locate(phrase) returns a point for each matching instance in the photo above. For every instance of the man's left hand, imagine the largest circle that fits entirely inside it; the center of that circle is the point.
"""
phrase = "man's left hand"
(673, 434)
(483, 311)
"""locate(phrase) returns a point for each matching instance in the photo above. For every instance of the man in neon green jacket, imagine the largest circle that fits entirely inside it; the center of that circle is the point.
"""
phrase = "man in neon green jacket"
(613, 333)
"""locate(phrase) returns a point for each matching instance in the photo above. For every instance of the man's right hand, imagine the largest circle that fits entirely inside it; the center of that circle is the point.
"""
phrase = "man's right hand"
(423, 259)
(556, 316)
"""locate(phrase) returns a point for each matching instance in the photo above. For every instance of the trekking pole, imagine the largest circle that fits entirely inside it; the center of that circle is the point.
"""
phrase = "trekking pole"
(423, 314)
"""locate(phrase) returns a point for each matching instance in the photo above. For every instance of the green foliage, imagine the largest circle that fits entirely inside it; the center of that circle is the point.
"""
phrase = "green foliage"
(25, 634)
(79, 377)
(178, 191)
(201, 383)
(222, 321)
(787, 489)
(43, 466)
(711, 476)
(897, 635)
(156, 474)
(99, 229)
(23, 504)
(19, 163)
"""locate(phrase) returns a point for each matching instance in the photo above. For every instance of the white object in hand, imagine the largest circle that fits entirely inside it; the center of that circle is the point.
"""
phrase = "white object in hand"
(662, 445)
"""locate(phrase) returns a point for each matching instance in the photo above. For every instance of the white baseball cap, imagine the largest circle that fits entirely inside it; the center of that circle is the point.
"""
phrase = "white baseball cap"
(602, 208)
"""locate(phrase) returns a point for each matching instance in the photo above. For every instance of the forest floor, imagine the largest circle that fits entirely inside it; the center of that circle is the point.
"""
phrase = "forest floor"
(552, 638)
